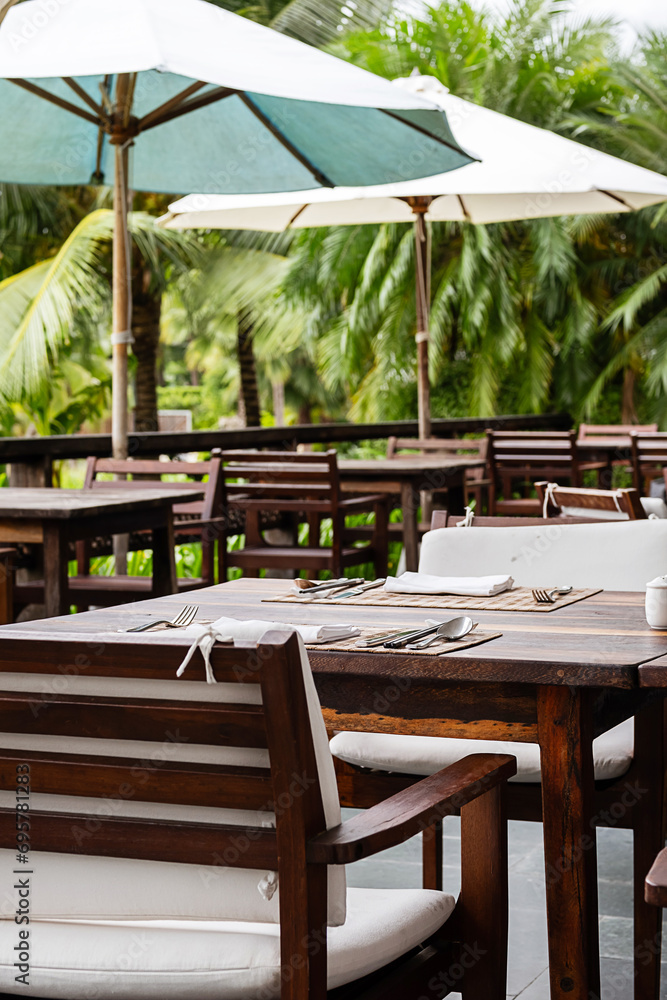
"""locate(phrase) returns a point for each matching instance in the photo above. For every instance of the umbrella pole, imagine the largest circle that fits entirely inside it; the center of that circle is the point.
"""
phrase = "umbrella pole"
(423, 308)
(121, 335)
(121, 332)
(122, 327)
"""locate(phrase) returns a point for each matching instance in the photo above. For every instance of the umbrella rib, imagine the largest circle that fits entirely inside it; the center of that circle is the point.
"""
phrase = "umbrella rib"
(615, 197)
(84, 96)
(466, 213)
(183, 109)
(300, 209)
(168, 105)
(320, 177)
(430, 135)
(72, 108)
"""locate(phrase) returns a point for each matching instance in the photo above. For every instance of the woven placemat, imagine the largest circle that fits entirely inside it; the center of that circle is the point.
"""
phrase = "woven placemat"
(517, 599)
(437, 649)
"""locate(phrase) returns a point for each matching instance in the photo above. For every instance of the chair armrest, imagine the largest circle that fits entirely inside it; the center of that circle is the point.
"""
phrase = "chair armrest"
(411, 811)
(655, 886)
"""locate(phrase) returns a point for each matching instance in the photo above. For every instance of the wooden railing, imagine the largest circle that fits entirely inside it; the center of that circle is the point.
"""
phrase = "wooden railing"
(31, 458)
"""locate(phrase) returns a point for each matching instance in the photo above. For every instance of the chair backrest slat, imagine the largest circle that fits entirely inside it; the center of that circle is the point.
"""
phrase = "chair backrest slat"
(277, 475)
(234, 756)
(591, 431)
(212, 504)
(443, 446)
(182, 783)
(110, 836)
(621, 502)
(649, 458)
(210, 723)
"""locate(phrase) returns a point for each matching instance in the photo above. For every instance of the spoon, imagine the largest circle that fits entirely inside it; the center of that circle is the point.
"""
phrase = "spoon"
(457, 628)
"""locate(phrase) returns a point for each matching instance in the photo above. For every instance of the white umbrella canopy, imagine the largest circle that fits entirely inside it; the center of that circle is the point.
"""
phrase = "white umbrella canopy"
(207, 101)
(525, 172)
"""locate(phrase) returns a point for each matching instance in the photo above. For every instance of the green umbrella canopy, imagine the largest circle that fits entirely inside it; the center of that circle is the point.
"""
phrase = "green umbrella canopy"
(205, 101)
(257, 112)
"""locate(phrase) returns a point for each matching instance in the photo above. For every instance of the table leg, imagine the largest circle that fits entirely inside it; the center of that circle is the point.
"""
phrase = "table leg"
(409, 505)
(644, 796)
(164, 559)
(565, 727)
(56, 597)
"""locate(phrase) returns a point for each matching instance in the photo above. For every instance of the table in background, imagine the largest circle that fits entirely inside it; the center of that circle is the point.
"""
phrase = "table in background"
(557, 679)
(54, 518)
(408, 477)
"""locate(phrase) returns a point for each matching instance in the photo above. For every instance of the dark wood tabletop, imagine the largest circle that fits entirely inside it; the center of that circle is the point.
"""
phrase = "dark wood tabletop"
(556, 679)
(40, 502)
(601, 641)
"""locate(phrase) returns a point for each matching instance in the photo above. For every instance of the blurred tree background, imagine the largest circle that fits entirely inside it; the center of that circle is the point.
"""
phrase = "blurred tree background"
(319, 324)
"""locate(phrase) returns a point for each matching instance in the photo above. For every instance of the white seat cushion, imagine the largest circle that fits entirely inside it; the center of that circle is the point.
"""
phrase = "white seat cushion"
(612, 752)
(615, 556)
(217, 960)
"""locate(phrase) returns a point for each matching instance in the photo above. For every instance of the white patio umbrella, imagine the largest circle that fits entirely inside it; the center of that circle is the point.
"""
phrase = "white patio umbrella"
(208, 101)
(525, 172)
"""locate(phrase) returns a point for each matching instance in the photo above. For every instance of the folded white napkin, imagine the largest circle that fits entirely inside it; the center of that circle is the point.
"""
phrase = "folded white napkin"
(252, 630)
(464, 586)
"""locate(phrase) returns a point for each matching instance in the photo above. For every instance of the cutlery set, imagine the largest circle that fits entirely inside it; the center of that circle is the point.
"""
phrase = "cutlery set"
(455, 628)
(339, 590)
(336, 590)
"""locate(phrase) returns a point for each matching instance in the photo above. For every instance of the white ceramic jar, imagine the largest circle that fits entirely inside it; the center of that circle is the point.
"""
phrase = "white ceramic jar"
(656, 602)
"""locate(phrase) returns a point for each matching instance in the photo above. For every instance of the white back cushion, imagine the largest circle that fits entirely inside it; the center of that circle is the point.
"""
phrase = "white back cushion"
(653, 507)
(141, 888)
(623, 555)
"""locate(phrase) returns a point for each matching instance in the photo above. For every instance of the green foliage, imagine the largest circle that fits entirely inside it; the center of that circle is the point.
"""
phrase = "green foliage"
(526, 316)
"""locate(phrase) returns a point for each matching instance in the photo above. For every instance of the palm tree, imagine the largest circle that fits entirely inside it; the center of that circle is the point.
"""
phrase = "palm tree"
(65, 298)
(636, 324)
(53, 315)
(518, 305)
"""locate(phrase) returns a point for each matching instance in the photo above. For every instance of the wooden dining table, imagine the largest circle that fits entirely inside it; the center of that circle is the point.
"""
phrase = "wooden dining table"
(557, 679)
(54, 518)
(409, 477)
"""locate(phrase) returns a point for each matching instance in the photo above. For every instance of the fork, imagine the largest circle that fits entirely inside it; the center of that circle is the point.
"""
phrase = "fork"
(184, 617)
(545, 596)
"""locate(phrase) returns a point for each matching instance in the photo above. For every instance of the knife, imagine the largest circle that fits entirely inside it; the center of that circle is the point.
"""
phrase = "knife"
(378, 640)
(357, 590)
(399, 643)
(314, 592)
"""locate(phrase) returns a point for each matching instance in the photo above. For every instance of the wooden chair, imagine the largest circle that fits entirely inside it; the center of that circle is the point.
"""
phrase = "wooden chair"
(202, 521)
(655, 885)
(618, 556)
(620, 504)
(521, 457)
(170, 811)
(306, 486)
(649, 459)
(619, 433)
(589, 432)
(475, 481)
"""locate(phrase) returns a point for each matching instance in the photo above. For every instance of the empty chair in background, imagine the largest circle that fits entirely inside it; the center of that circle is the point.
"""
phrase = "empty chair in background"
(516, 459)
(303, 487)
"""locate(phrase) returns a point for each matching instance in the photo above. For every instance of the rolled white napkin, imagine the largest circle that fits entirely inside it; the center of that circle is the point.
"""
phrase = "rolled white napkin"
(463, 586)
(252, 630)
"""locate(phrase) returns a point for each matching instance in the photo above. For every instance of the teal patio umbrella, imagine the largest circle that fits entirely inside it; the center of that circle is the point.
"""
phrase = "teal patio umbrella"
(203, 100)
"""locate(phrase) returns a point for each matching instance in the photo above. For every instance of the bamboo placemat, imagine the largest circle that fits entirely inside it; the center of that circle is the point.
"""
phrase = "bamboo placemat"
(437, 649)
(517, 599)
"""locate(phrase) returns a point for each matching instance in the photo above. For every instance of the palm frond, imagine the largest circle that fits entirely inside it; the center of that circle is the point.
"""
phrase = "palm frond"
(38, 307)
